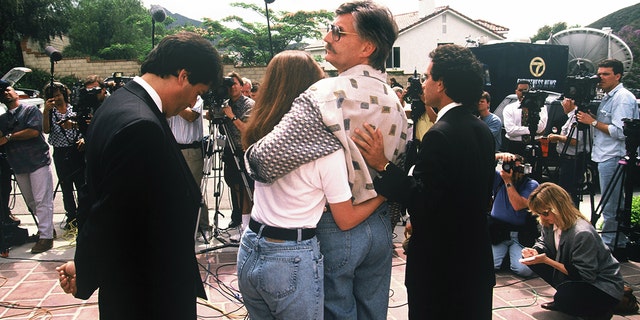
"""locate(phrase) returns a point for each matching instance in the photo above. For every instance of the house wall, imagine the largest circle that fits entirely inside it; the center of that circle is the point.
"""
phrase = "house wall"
(415, 43)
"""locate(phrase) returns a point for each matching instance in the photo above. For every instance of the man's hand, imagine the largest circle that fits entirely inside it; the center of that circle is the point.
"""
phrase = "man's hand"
(67, 277)
(371, 146)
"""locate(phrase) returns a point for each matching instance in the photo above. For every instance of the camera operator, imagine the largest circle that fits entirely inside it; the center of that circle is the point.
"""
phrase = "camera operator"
(237, 113)
(28, 154)
(511, 226)
(516, 121)
(60, 121)
(609, 144)
(572, 151)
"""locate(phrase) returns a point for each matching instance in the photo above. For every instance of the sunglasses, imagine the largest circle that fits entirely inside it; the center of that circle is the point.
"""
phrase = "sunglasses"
(336, 32)
(544, 213)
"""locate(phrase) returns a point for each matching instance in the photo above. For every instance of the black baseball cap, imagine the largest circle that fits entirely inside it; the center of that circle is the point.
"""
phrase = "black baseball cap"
(4, 84)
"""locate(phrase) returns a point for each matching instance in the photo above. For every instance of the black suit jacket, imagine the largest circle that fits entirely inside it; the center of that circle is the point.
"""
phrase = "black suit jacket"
(449, 262)
(136, 243)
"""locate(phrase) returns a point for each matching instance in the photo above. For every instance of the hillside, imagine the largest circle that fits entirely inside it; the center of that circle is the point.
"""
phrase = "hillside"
(616, 20)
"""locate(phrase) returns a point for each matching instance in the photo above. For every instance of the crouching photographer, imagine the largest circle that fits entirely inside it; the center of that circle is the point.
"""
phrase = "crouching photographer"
(511, 225)
(63, 125)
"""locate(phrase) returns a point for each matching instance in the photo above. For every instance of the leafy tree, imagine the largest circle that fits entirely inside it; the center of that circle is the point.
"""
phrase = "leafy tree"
(112, 29)
(546, 31)
(249, 44)
(40, 20)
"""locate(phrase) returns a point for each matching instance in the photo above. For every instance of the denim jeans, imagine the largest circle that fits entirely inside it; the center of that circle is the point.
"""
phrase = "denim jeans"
(280, 280)
(606, 171)
(357, 268)
(514, 248)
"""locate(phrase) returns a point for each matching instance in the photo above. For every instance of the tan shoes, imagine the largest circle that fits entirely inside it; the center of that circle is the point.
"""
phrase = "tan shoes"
(42, 245)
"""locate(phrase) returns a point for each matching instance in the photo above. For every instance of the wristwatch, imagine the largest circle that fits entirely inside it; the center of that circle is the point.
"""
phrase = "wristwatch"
(508, 184)
(594, 123)
(234, 118)
(8, 136)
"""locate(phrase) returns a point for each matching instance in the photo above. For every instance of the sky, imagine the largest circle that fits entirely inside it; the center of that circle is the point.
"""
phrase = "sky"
(522, 18)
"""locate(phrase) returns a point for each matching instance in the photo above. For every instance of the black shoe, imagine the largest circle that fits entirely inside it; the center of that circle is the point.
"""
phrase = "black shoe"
(234, 224)
(549, 306)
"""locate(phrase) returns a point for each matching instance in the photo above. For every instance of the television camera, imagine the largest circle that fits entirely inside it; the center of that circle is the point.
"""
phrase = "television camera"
(216, 98)
(412, 96)
(581, 89)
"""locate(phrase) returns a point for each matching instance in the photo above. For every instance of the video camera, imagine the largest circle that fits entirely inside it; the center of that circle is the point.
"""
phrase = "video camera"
(412, 96)
(581, 89)
(215, 99)
(522, 168)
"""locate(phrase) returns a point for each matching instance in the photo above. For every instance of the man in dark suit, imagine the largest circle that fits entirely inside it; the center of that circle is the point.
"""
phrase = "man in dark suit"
(448, 194)
(136, 242)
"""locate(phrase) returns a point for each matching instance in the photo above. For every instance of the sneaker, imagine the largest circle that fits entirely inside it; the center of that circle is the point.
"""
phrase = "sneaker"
(11, 220)
(42, 245)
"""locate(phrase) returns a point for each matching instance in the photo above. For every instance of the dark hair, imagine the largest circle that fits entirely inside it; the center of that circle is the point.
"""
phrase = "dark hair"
(373, 22)
(461, 73)
(189, 51)
(57, 86)
(523, 81)
(236, 75)
(615, 64)
(93, 78)
(485, 95)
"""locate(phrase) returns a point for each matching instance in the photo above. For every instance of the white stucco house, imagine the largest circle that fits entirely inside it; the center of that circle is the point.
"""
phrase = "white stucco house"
(421, 31)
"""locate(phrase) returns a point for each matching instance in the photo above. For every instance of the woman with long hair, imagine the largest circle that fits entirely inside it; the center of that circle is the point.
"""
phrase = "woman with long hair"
(280, 266)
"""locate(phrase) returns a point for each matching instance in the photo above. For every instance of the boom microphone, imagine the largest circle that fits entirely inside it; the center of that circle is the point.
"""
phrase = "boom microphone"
(53, 53)
(158, 14)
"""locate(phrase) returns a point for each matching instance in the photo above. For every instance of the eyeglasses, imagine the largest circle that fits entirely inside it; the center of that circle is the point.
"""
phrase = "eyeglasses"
(336, 33)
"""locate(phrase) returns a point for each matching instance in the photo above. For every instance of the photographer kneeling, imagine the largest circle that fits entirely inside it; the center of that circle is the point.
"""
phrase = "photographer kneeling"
(60, 121)
(511, 225)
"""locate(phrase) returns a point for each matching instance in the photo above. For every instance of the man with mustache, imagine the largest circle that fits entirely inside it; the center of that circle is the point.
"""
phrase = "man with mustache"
(357, 262)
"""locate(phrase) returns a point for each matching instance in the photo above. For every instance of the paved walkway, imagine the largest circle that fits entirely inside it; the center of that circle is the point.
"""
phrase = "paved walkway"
(29, 287)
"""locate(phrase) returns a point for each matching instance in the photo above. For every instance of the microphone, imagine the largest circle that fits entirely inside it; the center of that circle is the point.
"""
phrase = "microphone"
(53, 53)
(157, 13)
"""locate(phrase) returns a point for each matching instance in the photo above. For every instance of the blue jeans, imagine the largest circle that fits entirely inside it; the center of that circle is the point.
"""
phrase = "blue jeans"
(606, 170)
(357, 268)
(280, 280)
(514, 248)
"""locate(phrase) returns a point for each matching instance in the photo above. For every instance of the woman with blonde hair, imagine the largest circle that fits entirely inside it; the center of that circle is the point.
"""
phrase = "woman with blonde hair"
(280, 267)
(571, 256)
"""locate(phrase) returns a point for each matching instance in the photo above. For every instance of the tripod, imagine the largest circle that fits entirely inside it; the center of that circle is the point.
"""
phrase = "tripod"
(214, 150)
(572, 167)
(622, 173)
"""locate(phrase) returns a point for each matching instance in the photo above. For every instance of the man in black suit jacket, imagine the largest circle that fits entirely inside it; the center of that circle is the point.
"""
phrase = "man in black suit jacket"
(136, 242)
(447, 196)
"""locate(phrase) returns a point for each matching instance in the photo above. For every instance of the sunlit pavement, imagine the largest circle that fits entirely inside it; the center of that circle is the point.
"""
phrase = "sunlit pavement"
(29, 287)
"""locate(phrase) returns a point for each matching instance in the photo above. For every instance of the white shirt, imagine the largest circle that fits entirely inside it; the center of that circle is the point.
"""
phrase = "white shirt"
(512, 120)
(297, 199)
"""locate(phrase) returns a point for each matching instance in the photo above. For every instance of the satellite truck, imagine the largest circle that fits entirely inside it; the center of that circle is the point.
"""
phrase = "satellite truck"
(571, 52)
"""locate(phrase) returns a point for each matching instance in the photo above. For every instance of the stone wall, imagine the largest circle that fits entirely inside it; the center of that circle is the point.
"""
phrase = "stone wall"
(35, 58)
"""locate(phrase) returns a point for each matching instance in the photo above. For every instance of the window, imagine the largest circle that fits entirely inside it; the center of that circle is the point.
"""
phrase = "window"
(393, 61)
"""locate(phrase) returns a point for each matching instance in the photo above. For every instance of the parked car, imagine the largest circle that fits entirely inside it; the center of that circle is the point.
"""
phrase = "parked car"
(27, 96)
